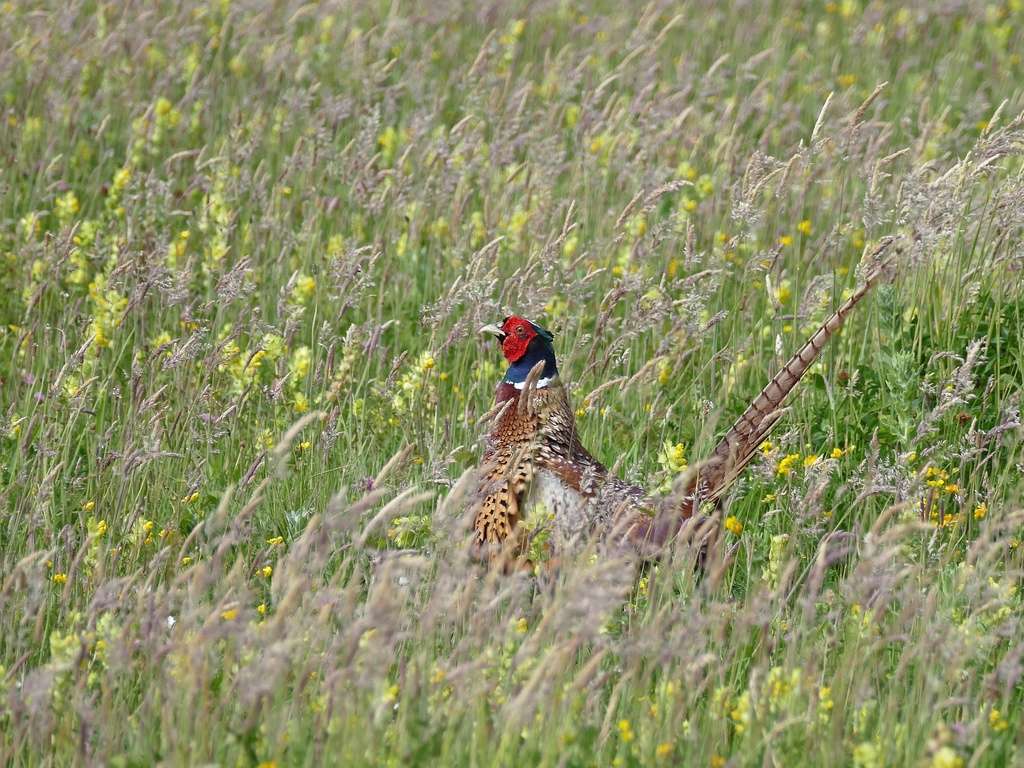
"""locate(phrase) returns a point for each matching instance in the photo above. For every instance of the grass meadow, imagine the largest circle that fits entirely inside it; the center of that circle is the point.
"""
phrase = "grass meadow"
(244, 250)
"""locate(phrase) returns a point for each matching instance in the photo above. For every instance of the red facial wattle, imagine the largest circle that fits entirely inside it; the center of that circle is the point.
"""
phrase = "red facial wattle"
(518, 335)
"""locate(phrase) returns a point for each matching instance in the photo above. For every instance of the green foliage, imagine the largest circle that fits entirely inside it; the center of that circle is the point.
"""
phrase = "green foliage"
(246, 249)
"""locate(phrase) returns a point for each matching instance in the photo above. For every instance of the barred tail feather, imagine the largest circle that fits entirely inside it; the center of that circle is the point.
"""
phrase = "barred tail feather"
(735, 450)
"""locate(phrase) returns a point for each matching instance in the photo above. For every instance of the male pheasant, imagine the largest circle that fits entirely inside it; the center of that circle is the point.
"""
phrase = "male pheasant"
(534, 455)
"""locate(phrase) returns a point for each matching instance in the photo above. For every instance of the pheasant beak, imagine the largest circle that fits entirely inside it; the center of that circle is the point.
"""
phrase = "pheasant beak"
(494, 331)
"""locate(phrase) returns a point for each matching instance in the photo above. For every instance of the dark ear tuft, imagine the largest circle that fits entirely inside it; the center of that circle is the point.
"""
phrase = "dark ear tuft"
(543, 332)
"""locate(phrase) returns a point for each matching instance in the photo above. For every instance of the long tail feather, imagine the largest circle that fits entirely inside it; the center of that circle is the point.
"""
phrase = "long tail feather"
(739, 444)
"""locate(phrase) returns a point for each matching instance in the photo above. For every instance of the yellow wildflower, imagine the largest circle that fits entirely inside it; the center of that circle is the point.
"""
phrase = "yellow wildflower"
(517, 227)
(733, 525)
(299, 364)
(786, 463)
(935, 477)
(664, 372)
(825, 703)
(740, 713)
(478, 229)
(781, 684)
(704, 185)
(686, 171)
(304, 289)
(866, 755)
(599, 143)
(66, 206)
(439, 229)
(673, 457)
(176, 249)
(804, 227)
(265, 439)
(637, 226)
(571, 245)
(109, 307)
(776, 550)
(121, 179)
(572, 115)
(946, 757)
(389, 142)
(336, 245)
(626, 731)
(997, 721)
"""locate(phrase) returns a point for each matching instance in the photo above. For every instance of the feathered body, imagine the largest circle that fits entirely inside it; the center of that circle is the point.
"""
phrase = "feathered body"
(534, 455)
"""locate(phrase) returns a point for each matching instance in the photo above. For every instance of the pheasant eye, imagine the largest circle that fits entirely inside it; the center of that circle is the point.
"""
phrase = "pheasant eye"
(520, 332)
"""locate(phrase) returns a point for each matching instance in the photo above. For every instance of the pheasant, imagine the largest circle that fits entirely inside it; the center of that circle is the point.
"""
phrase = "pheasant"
(534, 455)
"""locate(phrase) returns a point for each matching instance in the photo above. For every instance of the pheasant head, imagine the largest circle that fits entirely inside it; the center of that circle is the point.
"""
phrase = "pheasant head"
(524, 344)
